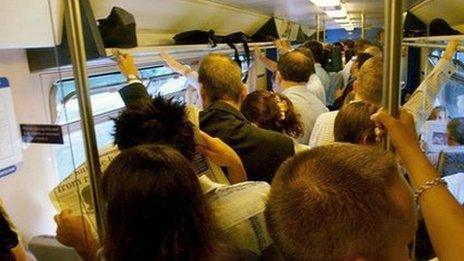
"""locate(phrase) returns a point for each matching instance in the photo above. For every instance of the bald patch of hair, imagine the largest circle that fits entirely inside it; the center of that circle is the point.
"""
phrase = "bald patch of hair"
(334, 202)
(296, 66)
(220, 77)
(370, 81)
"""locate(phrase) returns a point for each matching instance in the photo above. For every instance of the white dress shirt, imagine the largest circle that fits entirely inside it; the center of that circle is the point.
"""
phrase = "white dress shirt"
(308, 106)
(238, 212)
(323, 76)
(420, 105)
(315, 86)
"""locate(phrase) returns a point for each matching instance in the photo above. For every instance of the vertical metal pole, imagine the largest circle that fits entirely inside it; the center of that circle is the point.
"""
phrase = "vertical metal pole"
(323, 30)
(363, 26)
(392, 59)
(318, 27)
(78, 55)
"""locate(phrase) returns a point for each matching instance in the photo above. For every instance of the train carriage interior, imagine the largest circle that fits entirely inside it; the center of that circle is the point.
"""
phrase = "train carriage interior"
(93, 92)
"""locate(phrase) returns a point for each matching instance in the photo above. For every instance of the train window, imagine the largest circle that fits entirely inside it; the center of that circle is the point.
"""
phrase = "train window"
(106, 104)
(452, 96)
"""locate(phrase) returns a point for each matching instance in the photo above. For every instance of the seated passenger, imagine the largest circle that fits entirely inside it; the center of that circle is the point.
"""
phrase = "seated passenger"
(455, 131)
(237, 209)
(273, 111)
(438, 114)
(368, 87)
(262, 151)
(156, 209)
(294, 70)
(11, 247)
(341, 202)
(353, 123)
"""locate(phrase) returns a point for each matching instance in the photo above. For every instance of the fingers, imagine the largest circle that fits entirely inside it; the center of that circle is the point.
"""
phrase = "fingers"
(383, 118)
(207, 139)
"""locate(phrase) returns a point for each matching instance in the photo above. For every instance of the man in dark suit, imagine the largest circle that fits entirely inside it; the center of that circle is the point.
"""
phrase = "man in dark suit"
(262, 151)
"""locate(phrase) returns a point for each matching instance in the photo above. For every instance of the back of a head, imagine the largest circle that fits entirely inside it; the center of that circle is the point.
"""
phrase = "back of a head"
(370, 81)
(456, 131)
(160, 121)
(220, 77)
(295, 66)
(361, 45)
(272, 111)
(375, 51)
(335, 202)
(362, 58)
(353, 123)
(155, 207)
(317, 50)
(348, 43)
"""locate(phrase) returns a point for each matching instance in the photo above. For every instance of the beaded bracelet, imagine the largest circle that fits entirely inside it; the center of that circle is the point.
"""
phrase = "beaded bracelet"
(428, 185)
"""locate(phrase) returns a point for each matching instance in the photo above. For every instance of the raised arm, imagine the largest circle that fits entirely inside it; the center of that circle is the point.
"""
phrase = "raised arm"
(175, 65)
(266, 62)
(224, 156)
(135, 91)
(443, 215)
(421, 103)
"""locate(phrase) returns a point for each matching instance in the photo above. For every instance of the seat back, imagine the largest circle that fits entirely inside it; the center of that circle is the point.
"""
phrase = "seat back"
(451, 161)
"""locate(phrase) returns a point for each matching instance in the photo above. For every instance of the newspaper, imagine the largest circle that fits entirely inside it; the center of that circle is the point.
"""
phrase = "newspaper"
(74, 192)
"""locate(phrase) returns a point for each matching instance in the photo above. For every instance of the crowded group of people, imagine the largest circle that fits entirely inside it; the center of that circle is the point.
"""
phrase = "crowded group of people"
(305, 176)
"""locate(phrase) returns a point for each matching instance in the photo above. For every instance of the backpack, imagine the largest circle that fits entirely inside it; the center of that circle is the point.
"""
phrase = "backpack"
(209, 37)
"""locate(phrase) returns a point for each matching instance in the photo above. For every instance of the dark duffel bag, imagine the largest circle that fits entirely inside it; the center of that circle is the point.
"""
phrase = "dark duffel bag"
(118, 29)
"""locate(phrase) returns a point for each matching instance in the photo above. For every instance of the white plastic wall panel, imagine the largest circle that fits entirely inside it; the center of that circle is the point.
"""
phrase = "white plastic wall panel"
(450, 10)
(159, 20)
(29, 23)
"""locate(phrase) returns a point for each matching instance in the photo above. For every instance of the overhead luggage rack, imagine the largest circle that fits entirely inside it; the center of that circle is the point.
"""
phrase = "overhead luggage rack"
(436, 42)
(183, 51)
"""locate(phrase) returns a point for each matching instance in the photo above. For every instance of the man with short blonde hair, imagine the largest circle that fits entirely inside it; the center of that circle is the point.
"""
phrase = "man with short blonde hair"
(368, 87)
(369, 84)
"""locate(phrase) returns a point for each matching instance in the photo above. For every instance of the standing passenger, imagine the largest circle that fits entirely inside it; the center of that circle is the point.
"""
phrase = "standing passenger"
(294, 70)
(262, 151)
(368, 87)
(318, 53)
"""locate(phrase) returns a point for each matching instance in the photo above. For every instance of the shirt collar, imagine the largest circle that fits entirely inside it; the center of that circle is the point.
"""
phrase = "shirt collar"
(223, 106)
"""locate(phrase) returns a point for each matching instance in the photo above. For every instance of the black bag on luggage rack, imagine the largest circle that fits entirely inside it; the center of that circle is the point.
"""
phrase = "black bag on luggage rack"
(118, 29)
(196, 37)
(203, 37)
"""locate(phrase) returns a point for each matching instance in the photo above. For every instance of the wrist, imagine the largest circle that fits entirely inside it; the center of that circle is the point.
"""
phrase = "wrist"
(132, 77)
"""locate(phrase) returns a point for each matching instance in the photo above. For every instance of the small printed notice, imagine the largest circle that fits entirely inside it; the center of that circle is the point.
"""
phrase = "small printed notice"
(10, 142)
(41, 133)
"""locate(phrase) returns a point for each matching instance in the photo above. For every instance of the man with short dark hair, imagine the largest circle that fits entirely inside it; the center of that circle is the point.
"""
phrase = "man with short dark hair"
(262, 151)
(293, 72)
(318, 52)
(341, 202)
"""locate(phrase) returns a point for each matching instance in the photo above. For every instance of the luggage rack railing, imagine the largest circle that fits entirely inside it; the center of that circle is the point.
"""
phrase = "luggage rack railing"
(183, 51)
(435, 42)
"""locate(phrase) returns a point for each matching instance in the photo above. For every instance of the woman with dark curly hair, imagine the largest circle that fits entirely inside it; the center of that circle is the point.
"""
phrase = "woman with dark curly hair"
(273, 111)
